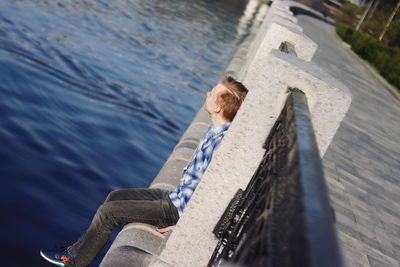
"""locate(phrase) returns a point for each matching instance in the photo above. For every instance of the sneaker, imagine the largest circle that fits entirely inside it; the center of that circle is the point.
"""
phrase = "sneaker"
(57, 256)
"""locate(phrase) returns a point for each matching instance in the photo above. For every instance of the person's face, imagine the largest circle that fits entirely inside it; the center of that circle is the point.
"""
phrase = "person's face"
(211, 103)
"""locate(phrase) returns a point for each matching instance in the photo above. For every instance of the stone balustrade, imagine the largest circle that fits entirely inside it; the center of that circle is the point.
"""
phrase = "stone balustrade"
(267, 72)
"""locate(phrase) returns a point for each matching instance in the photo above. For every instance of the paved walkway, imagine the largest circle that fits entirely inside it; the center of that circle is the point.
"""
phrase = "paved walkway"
(362, 165)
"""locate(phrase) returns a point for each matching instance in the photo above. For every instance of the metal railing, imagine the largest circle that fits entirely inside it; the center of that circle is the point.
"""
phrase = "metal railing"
(283, 217)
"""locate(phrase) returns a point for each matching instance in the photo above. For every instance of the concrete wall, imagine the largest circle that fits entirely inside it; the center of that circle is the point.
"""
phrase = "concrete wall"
(267, 73)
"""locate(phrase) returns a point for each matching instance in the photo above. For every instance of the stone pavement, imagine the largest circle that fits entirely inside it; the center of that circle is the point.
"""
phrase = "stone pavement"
(362, 164)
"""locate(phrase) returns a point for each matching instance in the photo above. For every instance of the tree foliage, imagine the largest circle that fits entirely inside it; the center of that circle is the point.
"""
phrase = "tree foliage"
(376, 19)
(384, 58)
(349, 13)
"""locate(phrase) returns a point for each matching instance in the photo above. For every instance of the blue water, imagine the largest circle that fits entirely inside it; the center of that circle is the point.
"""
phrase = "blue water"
(93, 97)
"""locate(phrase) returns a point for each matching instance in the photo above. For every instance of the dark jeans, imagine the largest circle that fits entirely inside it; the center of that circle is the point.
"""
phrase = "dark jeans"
(151, 206)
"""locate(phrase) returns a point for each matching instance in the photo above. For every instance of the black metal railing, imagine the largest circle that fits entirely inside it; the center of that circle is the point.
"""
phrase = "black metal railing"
(283, 217)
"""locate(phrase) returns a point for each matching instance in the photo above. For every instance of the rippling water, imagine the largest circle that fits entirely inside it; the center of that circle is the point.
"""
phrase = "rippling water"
(94, 96)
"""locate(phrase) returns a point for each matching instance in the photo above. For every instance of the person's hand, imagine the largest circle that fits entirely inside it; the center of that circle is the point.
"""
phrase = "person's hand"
(166, 230)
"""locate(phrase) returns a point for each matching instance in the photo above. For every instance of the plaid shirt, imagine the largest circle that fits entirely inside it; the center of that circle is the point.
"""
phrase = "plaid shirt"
(196, 168)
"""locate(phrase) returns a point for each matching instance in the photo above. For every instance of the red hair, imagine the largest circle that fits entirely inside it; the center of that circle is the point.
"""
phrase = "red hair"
(231, 99)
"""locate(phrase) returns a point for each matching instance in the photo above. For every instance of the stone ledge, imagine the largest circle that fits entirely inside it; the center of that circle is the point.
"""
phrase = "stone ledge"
(134, 246)
(241, 149)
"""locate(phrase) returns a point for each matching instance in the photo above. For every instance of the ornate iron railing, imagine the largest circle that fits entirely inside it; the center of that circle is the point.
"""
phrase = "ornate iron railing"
(283, 218)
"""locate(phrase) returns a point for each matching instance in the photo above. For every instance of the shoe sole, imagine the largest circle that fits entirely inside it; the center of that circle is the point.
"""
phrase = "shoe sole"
(50, 260)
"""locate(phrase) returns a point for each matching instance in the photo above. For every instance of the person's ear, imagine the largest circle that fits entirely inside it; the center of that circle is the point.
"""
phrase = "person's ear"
(217, 109)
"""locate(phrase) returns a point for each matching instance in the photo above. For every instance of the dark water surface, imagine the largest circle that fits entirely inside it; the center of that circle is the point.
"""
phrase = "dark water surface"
(94, 96)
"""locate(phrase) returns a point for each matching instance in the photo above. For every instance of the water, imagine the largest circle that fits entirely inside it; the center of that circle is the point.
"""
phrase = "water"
(94, 96)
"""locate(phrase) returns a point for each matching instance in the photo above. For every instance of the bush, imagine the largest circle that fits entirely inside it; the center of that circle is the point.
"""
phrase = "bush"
(369, 48)
(380, 60)
(385, 59)
(392, 36)
(391, 70)
(344, 31)
(358, 43)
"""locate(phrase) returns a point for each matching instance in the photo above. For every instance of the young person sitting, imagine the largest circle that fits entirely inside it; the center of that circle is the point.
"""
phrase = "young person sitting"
(157, 207)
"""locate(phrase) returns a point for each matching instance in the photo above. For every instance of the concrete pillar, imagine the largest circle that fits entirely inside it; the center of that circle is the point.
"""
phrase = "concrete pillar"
(279, 26)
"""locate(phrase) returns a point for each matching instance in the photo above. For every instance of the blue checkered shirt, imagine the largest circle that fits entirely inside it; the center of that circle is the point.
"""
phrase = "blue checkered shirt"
(196, 168)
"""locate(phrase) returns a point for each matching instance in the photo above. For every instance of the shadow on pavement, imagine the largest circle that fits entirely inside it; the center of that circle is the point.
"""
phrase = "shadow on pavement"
(311, 13)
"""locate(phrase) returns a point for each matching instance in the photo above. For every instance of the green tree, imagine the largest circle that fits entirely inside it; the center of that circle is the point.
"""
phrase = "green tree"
(350, 12)
(392, 36)
(380, 18)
